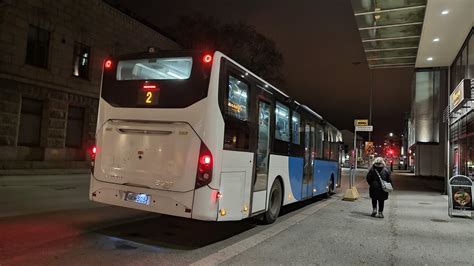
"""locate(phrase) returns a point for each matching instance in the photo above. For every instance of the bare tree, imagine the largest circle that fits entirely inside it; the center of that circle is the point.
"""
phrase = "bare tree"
(238, 40)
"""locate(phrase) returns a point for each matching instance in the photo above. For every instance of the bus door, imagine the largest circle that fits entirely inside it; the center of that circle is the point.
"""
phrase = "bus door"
(307, 190)
(263, 156)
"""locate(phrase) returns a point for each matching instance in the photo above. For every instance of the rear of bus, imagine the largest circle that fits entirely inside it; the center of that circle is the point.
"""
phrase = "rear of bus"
(156, 128)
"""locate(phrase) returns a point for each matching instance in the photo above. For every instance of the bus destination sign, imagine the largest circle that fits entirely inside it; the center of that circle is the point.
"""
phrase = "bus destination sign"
(148, 95)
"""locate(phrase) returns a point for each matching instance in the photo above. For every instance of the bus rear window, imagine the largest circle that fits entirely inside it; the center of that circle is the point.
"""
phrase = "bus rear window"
(155, 68)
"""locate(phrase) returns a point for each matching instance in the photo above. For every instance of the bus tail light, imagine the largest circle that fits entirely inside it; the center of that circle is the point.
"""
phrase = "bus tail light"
(204, 170)
(93, 153)
(108, 64)
(207, 58)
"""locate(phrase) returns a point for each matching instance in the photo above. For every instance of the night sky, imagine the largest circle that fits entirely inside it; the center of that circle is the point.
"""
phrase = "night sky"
(320, 42)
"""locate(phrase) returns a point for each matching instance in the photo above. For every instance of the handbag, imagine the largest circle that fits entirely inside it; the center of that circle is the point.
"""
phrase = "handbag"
(386, 186)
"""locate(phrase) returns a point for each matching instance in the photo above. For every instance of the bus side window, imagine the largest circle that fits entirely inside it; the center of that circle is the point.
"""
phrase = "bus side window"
(282, 126)
(319, 141)
(326, 144)
(237, 130)
(295, 128)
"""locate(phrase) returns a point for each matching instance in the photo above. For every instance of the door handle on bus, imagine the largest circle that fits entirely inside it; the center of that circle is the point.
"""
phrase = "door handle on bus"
(145, 131)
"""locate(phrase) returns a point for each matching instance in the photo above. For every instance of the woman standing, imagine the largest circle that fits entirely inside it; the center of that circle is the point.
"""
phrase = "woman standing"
(377, 171)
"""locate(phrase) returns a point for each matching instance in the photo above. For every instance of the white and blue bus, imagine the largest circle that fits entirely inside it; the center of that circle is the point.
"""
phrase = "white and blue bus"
(197, 135)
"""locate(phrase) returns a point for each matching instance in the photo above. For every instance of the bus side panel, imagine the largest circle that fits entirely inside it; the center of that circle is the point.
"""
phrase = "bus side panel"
(323, 171)
(296, 176)
(279, 166)
(236, 165)
(234, 204)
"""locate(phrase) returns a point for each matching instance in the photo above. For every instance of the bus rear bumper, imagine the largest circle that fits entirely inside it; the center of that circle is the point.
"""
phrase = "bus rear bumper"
(199, 204)
(163, 202)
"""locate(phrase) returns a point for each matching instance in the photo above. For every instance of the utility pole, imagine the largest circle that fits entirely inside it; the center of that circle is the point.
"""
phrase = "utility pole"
(370, 104)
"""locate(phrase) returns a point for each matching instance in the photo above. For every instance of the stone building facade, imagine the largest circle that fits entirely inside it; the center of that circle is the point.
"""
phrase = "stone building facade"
(50, 72)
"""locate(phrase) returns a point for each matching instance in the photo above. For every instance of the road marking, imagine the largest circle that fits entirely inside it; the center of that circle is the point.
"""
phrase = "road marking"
(243, 245)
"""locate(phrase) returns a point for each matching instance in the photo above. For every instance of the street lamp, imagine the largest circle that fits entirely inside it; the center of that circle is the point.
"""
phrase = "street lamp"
(391, 134)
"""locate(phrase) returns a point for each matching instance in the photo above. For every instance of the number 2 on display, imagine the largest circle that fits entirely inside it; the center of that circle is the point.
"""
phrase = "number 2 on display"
(149, 96)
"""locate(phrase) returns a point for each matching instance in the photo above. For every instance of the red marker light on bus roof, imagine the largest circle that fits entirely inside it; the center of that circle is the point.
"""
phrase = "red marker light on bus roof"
(94, 150)
(108, 63)
(150, 87)
(207, 58)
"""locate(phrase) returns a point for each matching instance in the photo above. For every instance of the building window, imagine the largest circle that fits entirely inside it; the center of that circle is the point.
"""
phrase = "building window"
(37, 47)
(30, 122)
(80, 64)
(75, 126)
(282, 127)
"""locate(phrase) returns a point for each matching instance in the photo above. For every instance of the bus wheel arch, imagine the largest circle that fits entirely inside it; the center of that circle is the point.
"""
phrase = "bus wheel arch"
(331, 187)
(275, 201)
(280, 179)
(332, 184)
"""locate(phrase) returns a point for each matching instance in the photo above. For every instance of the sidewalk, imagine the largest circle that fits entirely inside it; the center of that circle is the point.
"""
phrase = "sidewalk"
(416, 230)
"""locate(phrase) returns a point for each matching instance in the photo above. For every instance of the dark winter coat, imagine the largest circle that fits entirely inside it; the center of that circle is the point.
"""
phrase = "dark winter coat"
(375, 189)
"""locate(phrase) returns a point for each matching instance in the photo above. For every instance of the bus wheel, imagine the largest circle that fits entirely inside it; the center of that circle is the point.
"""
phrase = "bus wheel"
(274, 204)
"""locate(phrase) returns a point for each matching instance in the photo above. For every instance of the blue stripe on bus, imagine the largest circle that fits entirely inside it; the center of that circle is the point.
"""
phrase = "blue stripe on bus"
(295, 170)
(322, 174)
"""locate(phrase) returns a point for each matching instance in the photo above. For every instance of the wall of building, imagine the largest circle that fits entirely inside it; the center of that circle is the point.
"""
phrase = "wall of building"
(427, 132)
(93, 23)
(431, 158)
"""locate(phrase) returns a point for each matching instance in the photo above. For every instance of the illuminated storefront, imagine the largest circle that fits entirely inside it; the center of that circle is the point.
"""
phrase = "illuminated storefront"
(461, 115)
(462, 129)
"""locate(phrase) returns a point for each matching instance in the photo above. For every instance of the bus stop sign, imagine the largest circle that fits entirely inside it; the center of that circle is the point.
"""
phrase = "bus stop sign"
(361, 122)
(460, 196)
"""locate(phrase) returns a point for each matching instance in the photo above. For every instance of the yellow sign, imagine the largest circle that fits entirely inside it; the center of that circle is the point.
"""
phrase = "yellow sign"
(361, 122)
(460, 95)
(456, 97)
(369, 148)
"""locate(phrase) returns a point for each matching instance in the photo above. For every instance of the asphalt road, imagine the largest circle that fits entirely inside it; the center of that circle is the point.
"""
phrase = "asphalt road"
(416, 231)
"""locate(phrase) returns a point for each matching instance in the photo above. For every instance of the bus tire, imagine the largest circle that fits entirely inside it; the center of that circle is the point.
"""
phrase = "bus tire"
(274, 202)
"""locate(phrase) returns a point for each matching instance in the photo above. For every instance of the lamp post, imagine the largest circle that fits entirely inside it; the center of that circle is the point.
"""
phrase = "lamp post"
(370, 105)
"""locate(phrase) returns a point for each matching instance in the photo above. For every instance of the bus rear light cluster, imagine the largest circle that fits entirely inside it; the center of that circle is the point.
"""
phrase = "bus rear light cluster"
(108, 64)
(204, 170)
(93, 153)
(207, 58)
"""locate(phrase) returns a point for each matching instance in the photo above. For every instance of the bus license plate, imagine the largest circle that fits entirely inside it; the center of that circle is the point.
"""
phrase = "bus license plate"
(139, 198)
